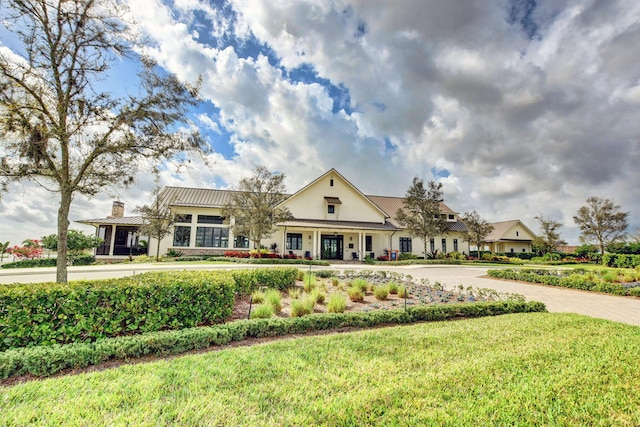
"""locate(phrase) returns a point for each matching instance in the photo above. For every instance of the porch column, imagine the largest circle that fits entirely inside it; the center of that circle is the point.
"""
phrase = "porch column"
(360, 245)
(112, 243)
(315, 250)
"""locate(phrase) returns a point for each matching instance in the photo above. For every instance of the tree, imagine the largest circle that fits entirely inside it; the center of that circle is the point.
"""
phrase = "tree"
(58, 128)
(254, 208)
(601, 220)
(3, 249)
(157, 219)
(421, 212)
(550, 238)
(477, 229)
(77, 243)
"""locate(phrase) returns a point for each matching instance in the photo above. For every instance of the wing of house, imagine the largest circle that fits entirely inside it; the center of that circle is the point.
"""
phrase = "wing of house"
(332, 219)
(510, 236)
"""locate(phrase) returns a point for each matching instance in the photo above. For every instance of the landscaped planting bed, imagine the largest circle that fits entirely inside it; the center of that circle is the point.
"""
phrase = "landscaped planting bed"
(616, 282)
(317, 301)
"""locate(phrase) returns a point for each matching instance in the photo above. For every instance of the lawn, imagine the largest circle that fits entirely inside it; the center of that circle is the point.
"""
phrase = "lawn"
(525, 369)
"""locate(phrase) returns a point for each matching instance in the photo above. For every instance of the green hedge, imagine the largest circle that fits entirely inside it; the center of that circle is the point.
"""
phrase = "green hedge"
(48, 262)
(50, 313)
(279, 278)
(43, 361)
(573, 281)
(621, 260)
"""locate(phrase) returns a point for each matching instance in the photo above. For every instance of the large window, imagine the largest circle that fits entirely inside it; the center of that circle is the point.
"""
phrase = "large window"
(181, 236)
(294, 241)
(210, 219)
(240, 242)
(212, 237)
(405, 244)
(444, 246)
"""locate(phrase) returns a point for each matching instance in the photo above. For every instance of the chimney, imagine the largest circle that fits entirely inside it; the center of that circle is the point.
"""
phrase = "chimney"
(117, 211)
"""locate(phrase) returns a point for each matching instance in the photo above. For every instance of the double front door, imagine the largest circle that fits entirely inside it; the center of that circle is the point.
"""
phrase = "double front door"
(332, 247)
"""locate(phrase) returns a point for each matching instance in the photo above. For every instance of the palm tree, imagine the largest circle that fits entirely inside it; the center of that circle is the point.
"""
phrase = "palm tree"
(3, 250)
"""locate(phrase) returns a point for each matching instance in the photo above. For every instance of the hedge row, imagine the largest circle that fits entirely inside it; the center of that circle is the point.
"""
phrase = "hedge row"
(574, 281)
(43, 361)
(48, 262)
(621, 260)
(51, 313)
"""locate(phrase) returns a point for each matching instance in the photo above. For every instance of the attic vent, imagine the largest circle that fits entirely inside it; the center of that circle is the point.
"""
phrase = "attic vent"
(332, 200)
(331, 182)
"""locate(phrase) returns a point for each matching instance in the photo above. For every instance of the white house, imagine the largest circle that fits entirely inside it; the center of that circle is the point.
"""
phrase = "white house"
(332, 219)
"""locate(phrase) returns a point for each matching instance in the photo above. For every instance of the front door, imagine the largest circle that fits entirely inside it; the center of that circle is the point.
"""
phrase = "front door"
(332, 247)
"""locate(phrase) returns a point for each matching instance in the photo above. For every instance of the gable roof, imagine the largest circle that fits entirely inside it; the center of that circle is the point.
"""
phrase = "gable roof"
(502, 227)
(334, 171)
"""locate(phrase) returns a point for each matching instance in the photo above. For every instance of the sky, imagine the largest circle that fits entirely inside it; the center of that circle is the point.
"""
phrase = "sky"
(520, 108)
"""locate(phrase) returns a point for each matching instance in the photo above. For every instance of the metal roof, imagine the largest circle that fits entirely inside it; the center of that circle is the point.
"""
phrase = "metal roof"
(352, 225)
(127, 220)
(332, 200)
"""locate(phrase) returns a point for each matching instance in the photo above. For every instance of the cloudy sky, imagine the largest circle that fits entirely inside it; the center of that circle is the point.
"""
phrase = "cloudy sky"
(519, 107)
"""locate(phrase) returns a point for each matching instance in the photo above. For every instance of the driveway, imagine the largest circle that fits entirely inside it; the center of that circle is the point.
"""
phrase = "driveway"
(619, 309)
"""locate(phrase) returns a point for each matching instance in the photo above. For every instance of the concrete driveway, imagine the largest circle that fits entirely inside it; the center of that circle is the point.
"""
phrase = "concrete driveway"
(620, 309)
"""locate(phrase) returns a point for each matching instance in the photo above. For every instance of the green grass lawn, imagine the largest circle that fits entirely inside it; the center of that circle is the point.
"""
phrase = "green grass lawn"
(526, 369)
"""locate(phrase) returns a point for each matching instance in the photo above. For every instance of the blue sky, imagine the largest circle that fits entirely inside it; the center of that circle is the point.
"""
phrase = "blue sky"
(520, 108)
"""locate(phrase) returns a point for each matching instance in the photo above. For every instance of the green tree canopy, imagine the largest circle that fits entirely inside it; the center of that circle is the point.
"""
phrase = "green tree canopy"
(77, 243)
(550, 236)
(477, 229)
(58, 127)
(421, 212)
(603, 221)
(157, 219)
(253, 210)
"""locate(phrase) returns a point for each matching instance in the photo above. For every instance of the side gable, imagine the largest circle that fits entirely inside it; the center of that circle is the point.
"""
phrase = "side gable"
(333, 192)
(513, 230)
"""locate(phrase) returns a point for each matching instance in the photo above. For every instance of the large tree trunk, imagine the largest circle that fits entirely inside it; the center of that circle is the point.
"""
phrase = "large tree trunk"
(63, 228)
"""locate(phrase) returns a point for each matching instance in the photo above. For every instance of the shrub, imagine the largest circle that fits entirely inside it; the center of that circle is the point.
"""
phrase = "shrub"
(294, 293)
(336, 303)
(402, 292)
(50, 313)
(335, 281)
(355, 294)
(393, 287)
(360, 284)
(274, 299)
(44, 361)
(634, 292)
(381, 292)
(262, 311)
(318, 296)
(301, 308)
(257, 297)
(325, 274)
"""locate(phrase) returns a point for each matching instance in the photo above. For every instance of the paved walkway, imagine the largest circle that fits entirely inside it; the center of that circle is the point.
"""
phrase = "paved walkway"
(620, 309)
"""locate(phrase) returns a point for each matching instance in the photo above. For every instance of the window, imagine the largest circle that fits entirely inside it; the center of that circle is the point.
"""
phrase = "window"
(368, 243)
(331, 209)
(444, 246)
(405, 244)
(181, 236)
(455, 245)
(240, 242)
(210, 219)
(212, 237)
(517, 233)
(294, 241)
(432, 243)
(331, 182)
(184, 218)
(452, 217)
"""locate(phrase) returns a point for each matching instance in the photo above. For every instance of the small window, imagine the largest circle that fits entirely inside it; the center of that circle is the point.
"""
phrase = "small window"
(240, 242)
(444, 246)
(368, 243)
(210, 219)
(455, 245)
(517, 233)
(183, 218)
(331, 182)
(432, 244)
(452, 217)
(294, 241)
(331, 209)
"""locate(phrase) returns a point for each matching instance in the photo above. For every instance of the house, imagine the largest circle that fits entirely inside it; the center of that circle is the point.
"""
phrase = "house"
(510, 237)
(332, 219)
